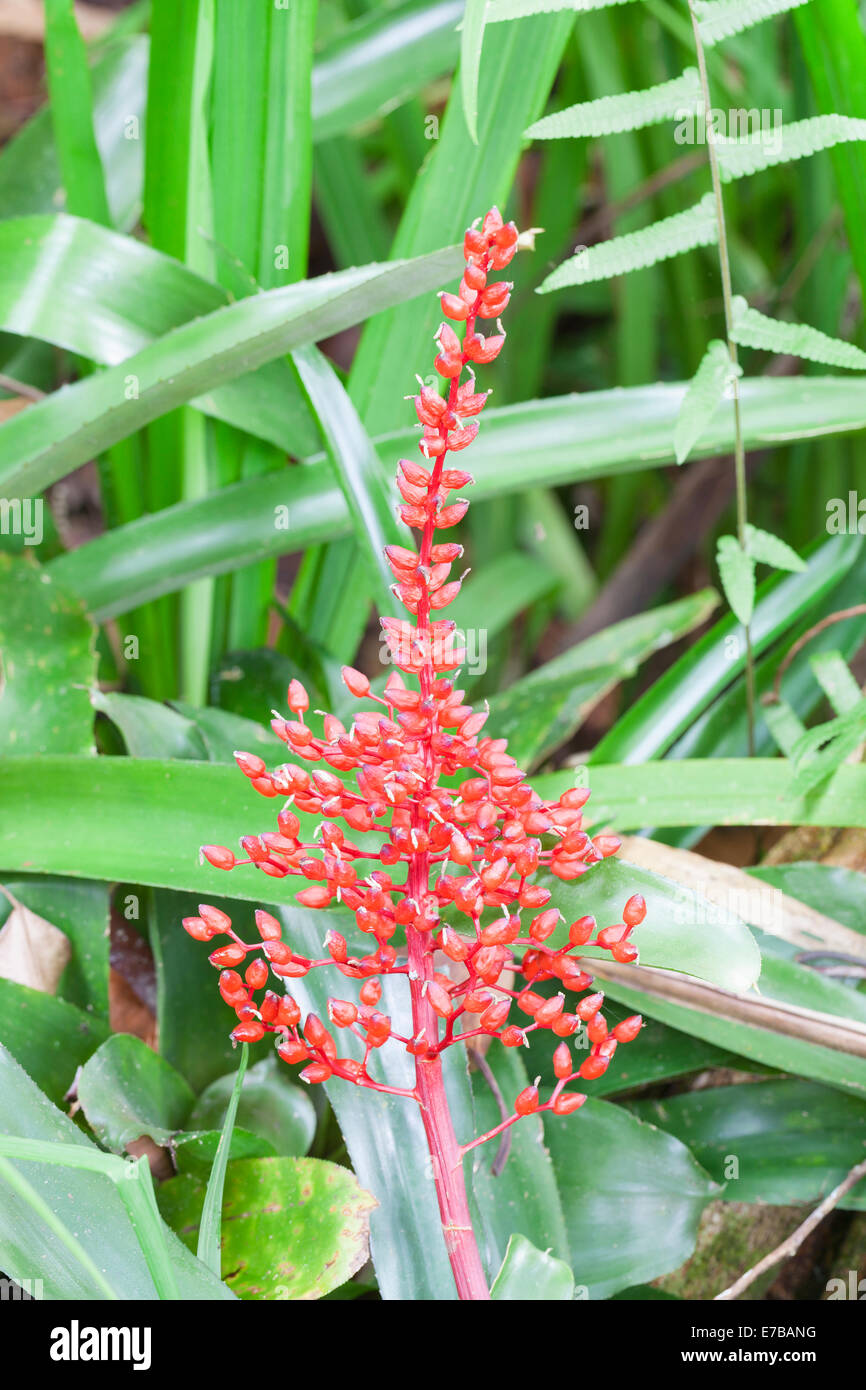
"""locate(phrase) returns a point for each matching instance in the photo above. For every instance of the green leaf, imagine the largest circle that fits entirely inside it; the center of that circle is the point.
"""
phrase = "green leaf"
(528, 1275)
(368, 492)
(194, 1152)
(753, 329)
(737, 573)
(768, 549)
(515, 9)
(634, 250)
(670, 706)
(53, 437)
(538, 713)
(791, 1141)
(191, 804)
(675, 934)
(47, 1036)
(820, 751)
(210, 1224)
(720, 19)
(794, 140)
(829, 888)
(30, 178)
(520, 1202)
(550, 442)
(270, 1107)
(47, 658)
(474, 21)
(705, 394)
(632, 1208)
(150, 729)
(630, 111)
(127, 1091)
(72, 113)
(836, 679)
(293, 1228)
(102, 1225)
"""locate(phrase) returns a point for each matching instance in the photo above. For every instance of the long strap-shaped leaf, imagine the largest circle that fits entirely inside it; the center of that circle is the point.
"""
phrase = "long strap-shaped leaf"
(520, 9)
(762, 150)
(40, 445)
(629, 111)
(753, 329)
(719, 19)
(547, 443)
(697, 226)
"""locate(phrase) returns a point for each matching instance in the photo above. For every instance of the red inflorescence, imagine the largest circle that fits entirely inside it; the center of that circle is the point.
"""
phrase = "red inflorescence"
(455, 869)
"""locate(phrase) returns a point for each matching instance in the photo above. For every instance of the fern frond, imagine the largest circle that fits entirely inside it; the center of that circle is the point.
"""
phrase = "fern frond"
(630, 111)
(786, 143)
(670, 237)
(706, 392)
(753, 329)
(719, 19)
(519, 9)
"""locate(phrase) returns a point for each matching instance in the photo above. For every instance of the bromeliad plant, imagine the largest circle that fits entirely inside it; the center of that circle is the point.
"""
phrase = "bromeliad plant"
(469, 851)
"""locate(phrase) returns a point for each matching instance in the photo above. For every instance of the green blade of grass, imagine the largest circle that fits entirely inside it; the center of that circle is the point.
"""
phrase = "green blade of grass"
(208, 1249)
(72, 113)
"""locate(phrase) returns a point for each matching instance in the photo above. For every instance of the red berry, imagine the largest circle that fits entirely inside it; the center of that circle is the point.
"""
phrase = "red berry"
(527, 1101)
(628, 1030)
(567, 1102)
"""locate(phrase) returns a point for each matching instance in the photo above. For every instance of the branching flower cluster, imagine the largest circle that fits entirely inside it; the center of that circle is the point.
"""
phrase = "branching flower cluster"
(452, 838)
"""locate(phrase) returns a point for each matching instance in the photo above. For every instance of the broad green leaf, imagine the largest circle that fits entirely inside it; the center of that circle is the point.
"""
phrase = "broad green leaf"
(541, 711)
(670, 706)
(127, 1091)
(293, 1228)
(828, 887)
(71, 105)
(104, 296)
(521, 1201)
(529, 1275)
(720, 19)
(632, 1197)
(630, 111)
(191, 804)
(383, 1133)
(768, 549)
(48, 440)
(634, 250)
(270, 1107)
(681, 931)
(102, 1225)
(781, 1141)
(705, 394)
(195, 1151)
(794, 140)
(753, 329)
(562, 440)
(47, 1036)
(47, 658)
(737, 573)
(150, 729)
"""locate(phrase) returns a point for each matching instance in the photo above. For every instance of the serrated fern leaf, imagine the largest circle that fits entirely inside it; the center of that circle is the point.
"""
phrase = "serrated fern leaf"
(818, 753)
(719, 19)
(670, 237)
(630, 111)
(519, 9)
(706, 391)
(785, 143)
(753, 329)
(768, 549)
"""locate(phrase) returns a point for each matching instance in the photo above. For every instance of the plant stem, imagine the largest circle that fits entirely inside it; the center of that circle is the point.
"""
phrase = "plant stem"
(727, 295)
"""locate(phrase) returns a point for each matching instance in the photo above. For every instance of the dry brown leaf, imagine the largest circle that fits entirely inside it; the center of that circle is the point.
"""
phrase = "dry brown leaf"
(33, 952)
(756, 902)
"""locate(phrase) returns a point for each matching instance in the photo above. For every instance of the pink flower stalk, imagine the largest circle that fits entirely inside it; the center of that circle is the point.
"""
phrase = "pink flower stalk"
(454, 868)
